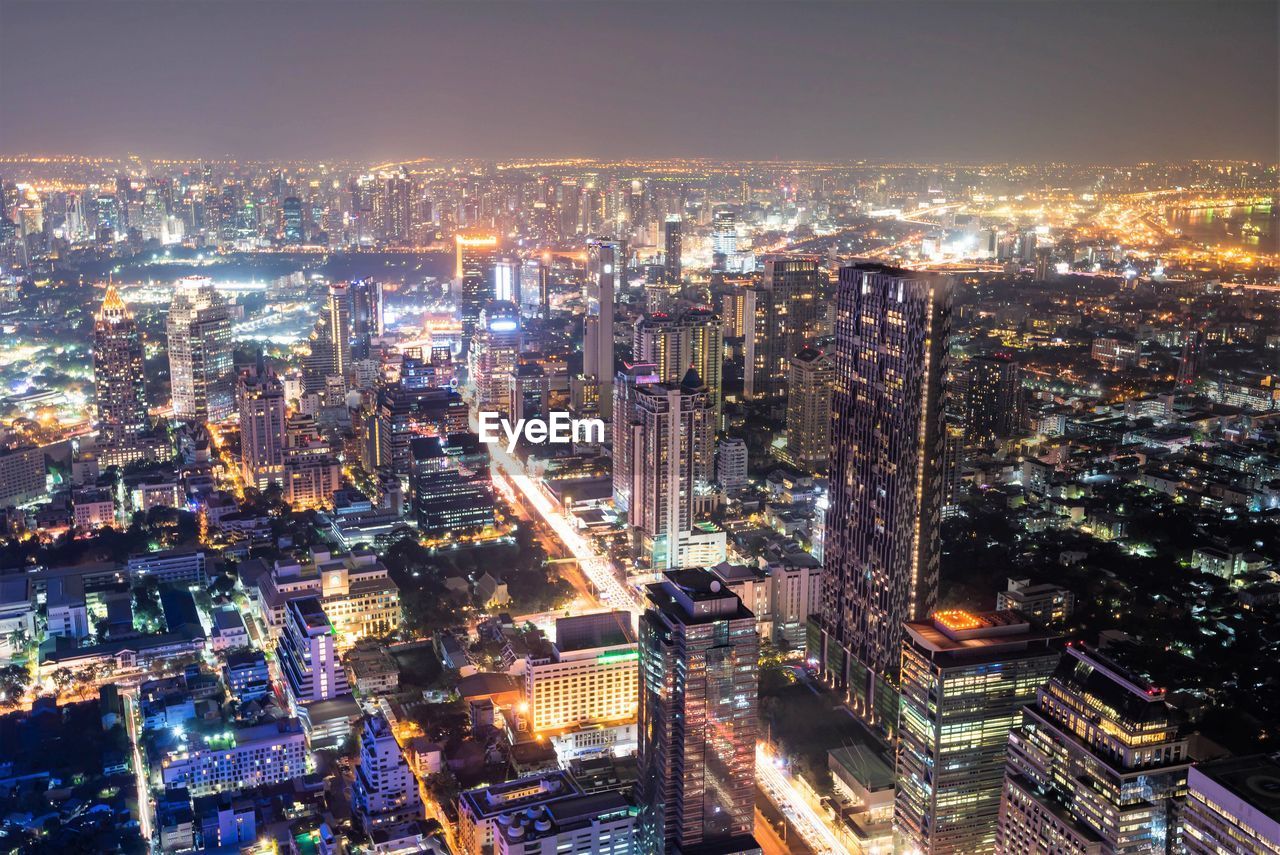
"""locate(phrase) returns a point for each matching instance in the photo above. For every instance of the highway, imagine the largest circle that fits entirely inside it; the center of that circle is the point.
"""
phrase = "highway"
(803, 817)
(139, 769)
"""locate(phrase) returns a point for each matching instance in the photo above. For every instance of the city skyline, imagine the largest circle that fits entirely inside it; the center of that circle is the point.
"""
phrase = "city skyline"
(1086, 83)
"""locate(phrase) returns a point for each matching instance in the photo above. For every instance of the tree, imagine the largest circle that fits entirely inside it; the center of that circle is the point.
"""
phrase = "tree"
(14, 680)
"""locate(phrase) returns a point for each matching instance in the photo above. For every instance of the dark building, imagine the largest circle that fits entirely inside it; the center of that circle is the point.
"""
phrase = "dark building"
(674, 242)
(366, 316)
(292, 220)
(882, 546)
(119, 381)
(412, 405)
(697, 717)
(991, 390)
(450, 484)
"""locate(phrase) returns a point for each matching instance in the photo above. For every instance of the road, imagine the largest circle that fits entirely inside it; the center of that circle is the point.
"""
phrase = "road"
(810, 825)
(139, 770)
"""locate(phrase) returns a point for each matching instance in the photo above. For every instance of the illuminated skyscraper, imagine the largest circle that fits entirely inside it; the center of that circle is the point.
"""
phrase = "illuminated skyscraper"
(990, 400)
(674, 243)
(965, 679)
(366, 316)
(495, 352)
(786, 311)
(200, 362)
(1233, 805)
(698, 723)
(294, 223)
(397, 219)
(882, 544)
(676, 343)
(671, 463)
(1096, 765)
(605, 257)
(627, 426)
(260, 397)
(330, 341)
(118, 376)
(724, 233)
(473, 279)
(809, 389)
(385, 790)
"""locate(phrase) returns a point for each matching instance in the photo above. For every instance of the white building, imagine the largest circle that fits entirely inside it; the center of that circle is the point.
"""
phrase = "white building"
(385, 792)
(731, 463)
(239, 759)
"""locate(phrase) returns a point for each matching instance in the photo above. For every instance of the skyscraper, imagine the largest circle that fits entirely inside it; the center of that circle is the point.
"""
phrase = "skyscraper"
(260, 397)
(676, 343)
(293, 222)
(673, 240)
(698, 713)
(965, 679)
(990, 399)
(366, 316)
(1233, 805)
(882, 543)
(605, 257)
(724, 233)
(118, 376)
(810, 384)
(385, 790)
(1096, 765)
(200, 362)
(495, 352)
(786, 311)
(627, 427)
(473, 279)
(330, 341)
(308, 656)
(671, 463)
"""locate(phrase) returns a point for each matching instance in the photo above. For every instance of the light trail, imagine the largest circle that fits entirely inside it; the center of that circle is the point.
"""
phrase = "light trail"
(778, 786)
(139, 771)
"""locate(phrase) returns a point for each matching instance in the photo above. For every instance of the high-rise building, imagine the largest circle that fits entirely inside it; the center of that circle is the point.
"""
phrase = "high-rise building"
(698, 724)
(260, 397)
(810, 385)
(293, 221)
(330, 341)
(118, 377)
(366, 316)
(786, 311)
(965, 679)
(1233, 805)
(882, 539)
(200, 361)
(494, 355)
(473, 279)
(627, 428)
(385, 792)
(408, 406)
(605, 258)
(450, 486)
(990, 402)
(676, 343)
(530, 392)
(673, 241)
(506, 280)
(587, 677)
(311, 472)
(308, 654)
(671, 462)
(397, 208)
(724, 233)
(1096, 765)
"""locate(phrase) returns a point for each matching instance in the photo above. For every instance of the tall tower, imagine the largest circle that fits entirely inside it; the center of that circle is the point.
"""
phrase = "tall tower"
(385, 791)
(366, 316)
(674, 243)
(473, 279)
(1189, 361)
(118, 376)
(786, 311)
(672, 461)
(697, 716)
(626, 428)
(965, 679)
(200, 362)
(495, 353)
(260, 397)
(882, 545)
(811, 381)
(990, 398)
(604, 261)
(330, 341)
(676, 343)
(1097, 764)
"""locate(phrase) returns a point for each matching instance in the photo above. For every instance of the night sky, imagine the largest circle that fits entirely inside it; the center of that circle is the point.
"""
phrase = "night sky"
(1119, 82)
